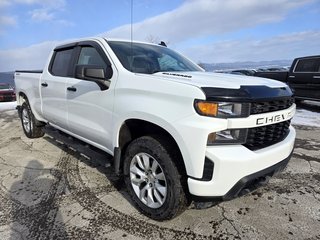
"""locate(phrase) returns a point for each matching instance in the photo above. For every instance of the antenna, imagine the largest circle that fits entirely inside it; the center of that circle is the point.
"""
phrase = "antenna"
(131, 36)
(131, 30)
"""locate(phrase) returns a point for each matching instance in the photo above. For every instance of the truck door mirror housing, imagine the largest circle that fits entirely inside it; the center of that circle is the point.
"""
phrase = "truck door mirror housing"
(94, 73)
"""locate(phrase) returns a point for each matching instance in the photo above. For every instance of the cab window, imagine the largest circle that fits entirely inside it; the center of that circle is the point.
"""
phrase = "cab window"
(90, 56)
(308, 65)
(61, 62)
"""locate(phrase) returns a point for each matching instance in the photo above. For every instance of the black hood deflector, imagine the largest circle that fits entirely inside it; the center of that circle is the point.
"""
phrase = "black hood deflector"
(246, 93)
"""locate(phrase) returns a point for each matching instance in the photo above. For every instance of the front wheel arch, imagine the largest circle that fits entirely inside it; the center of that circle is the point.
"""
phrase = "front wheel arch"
(132, 129)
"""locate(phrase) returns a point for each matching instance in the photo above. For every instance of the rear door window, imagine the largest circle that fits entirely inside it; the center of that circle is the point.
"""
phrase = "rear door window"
(308, 65)
(61, 62)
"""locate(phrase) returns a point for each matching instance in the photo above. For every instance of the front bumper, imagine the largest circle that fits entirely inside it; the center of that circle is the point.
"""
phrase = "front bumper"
(236, 166)
(252, 181)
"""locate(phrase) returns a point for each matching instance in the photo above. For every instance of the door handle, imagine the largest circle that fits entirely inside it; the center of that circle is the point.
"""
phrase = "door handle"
(72, 89)
(316, 76)
(292, 76)
(44, 84)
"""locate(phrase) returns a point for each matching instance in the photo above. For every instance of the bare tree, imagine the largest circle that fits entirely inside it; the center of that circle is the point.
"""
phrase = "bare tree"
(155, 39)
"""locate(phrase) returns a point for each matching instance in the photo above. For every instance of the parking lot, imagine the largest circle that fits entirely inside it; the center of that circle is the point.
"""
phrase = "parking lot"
(58, 188)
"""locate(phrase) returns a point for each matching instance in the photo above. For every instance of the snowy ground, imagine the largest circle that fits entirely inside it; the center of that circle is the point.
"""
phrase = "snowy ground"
(308, 112)
(5, 106)
(307, 118)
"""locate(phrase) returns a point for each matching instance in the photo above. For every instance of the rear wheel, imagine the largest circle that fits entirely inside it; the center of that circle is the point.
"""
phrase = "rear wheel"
(31, 127)
(152, 179)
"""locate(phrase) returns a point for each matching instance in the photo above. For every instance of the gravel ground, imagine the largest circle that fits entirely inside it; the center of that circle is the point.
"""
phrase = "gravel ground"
(52, 190)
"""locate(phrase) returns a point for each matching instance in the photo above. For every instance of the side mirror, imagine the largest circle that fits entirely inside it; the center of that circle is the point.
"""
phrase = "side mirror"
(95, 74)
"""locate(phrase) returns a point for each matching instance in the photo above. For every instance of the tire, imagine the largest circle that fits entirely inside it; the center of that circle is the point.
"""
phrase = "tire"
(31, 126)
(152, 178)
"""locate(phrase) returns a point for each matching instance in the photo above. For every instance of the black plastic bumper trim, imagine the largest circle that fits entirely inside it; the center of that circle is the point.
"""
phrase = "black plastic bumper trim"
(207, 171)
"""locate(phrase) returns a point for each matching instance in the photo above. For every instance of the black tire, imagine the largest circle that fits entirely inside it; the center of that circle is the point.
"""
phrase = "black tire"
(174, 200)
(31, 126)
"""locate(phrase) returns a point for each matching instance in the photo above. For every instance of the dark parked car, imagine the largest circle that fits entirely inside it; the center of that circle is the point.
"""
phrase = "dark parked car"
(7, 92)
(243, 72)
(303, 77)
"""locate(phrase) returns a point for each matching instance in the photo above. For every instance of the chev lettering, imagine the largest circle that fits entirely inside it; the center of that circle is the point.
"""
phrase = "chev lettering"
(273, 119)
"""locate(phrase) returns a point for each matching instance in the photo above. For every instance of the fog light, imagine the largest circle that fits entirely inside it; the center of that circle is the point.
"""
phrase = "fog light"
(229, 136)
(211, 138)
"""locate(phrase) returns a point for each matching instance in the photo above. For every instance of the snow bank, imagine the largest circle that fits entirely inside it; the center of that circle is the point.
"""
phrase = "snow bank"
(5, 106)
(307, 118)
(313, 103)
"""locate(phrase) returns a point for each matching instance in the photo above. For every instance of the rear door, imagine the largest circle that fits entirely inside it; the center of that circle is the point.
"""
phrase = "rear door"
(89, 107)
(305, 78)
(53, 86)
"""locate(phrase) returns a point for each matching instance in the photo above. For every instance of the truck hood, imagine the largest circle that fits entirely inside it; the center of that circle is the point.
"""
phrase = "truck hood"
(218, 80)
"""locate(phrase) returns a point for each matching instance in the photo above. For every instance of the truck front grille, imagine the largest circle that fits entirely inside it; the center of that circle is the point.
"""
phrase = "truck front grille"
(271, 106)
(261, 137)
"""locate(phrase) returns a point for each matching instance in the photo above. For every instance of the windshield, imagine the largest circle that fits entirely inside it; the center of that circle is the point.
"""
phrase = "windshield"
(5, 86)
(149, 59)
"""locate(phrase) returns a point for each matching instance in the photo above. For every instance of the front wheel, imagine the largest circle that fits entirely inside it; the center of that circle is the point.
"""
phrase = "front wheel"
(152, 179)
(31, 127)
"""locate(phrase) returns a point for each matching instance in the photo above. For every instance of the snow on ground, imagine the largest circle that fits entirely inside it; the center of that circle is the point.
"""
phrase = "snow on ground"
(308, 114)
(5, 106)
(313, 103)
(307, 118)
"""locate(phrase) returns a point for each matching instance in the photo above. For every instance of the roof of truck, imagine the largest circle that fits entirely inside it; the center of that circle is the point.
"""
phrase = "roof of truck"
(73, 42)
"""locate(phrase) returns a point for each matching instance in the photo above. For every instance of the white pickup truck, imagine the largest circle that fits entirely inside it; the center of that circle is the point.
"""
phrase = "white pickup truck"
(175, 132)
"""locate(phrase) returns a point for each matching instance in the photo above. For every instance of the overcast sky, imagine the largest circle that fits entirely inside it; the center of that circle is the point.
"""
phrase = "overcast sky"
(211, 31)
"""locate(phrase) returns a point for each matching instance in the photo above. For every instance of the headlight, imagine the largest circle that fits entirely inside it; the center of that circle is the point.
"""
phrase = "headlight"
(230, 109)
(221, 109)
(224, 110)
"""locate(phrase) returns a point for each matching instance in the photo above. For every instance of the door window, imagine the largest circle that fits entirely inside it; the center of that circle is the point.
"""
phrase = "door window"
(61, 61)
(90, 56)
(308, 65)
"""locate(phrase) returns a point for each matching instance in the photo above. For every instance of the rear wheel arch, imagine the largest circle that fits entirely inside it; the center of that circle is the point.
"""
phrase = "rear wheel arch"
(30, 125)
(37, 128)
(22, 98)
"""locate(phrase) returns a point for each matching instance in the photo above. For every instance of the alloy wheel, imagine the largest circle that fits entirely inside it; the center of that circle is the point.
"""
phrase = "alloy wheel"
(148, 180)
